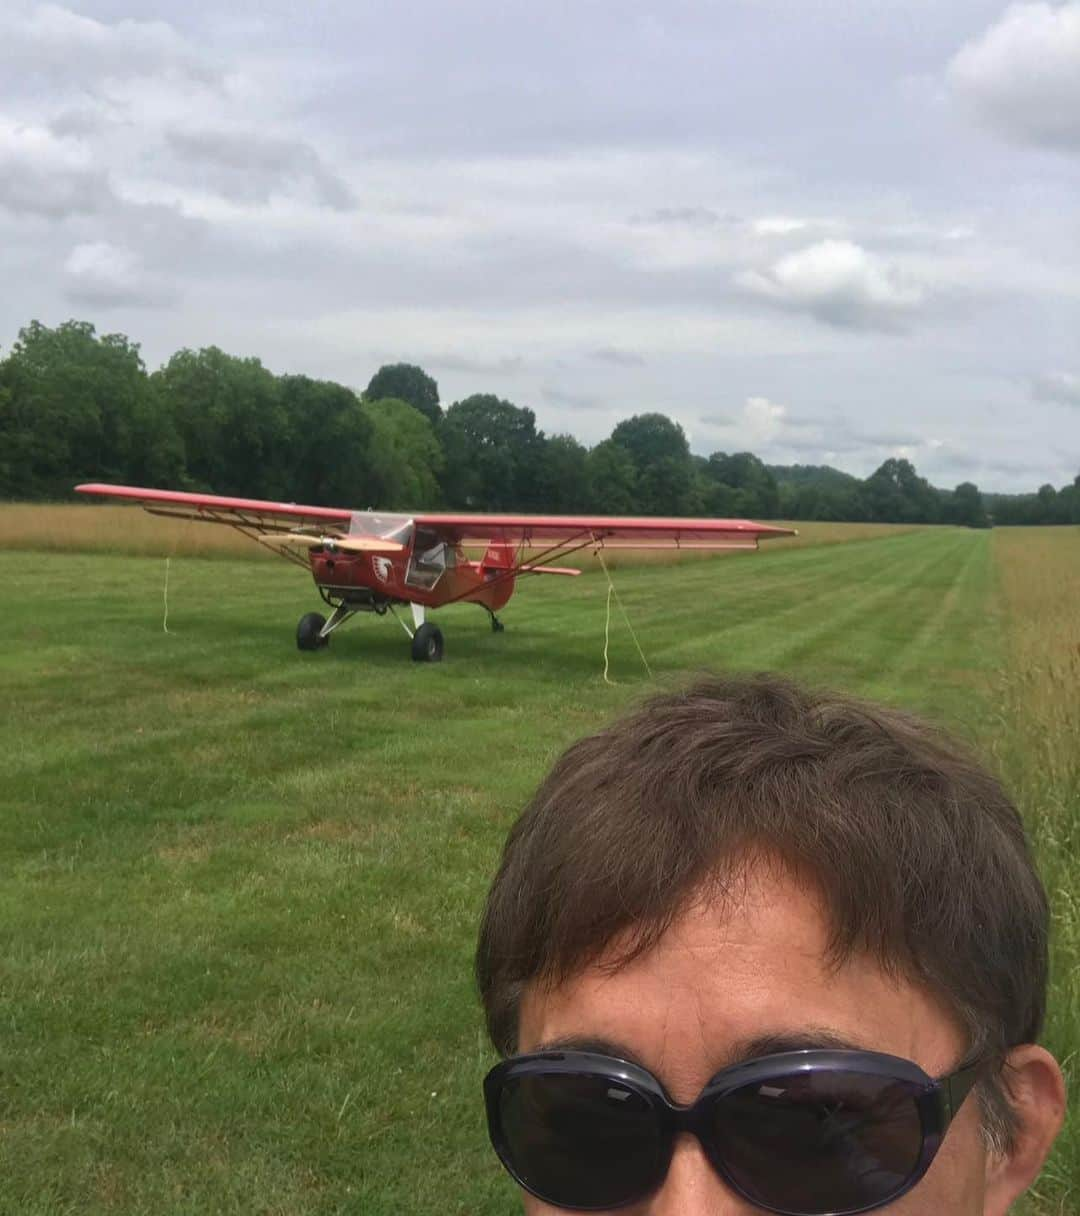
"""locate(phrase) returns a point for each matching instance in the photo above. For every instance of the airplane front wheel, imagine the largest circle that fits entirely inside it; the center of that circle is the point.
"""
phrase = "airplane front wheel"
(427, 644)
(307, 632)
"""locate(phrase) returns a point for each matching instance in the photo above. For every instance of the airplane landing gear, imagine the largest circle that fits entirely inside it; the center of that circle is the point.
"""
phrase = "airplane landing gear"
(427, 644)
(309, 635)
(314, 630)
(496, 625)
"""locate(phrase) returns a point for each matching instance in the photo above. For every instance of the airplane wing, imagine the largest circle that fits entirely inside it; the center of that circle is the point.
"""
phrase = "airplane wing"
(607, 531)
(249, 513)
(288, 524)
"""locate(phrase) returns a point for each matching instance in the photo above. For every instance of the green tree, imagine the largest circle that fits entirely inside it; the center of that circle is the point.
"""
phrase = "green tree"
(897, 494)
(492, 449)
(965, 506)
(612, 479)
(404, 458)
(406, 382)
(331, 443)
(742, 486)
(74, 406)
(661, 456)
(562, 482)
(228, 412)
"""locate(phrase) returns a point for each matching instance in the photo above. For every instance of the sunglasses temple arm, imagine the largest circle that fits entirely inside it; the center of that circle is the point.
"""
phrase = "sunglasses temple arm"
(959, 1085)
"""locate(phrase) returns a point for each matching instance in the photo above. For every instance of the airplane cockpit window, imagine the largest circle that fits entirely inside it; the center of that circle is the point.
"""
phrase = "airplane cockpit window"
(380, 526)
(430, 557)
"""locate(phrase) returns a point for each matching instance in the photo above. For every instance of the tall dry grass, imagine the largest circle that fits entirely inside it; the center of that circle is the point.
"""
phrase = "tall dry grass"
(105, 528)
(108, 528)
(1038, 749)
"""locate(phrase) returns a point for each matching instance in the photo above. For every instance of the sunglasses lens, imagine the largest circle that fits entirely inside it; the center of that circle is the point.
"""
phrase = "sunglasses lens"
(820, 1142)
(581, 1142)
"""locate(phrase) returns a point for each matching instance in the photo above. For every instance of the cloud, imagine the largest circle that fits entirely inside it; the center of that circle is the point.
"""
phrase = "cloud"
(691, 217)
(764, 419)
(621, 358)
(506, 365)
(250, 166)
(109, 276)
(1022, 75)
(758, 424)
(55, 41)
(1062, 387)
(574, 401)
(46, 176)
(777, 225)
(840, 283)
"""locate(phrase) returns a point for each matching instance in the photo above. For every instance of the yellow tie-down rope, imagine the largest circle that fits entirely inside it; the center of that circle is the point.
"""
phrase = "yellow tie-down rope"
(611, 591)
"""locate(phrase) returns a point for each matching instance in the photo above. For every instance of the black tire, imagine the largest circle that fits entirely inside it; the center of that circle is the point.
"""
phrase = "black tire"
(307, 632)
(427, 644)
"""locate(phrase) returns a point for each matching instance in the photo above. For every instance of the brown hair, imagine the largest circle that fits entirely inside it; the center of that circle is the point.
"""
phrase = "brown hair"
(917, 850)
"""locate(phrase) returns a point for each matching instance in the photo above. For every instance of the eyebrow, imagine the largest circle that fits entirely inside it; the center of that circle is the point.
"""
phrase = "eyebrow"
(768, 1044)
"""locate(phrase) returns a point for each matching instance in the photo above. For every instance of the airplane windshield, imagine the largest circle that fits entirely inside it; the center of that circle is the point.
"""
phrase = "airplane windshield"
(397, 528)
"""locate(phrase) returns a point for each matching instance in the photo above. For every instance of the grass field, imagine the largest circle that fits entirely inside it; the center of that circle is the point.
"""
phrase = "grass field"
(242, 883)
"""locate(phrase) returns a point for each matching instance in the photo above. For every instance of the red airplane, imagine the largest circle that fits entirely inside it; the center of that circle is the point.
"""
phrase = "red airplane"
(369, 561)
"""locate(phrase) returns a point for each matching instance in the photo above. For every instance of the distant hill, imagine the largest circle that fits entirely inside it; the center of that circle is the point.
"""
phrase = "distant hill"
(823, 476)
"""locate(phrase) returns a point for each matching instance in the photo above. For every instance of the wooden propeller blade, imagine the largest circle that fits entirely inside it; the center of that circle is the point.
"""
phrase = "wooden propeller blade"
(347, 544)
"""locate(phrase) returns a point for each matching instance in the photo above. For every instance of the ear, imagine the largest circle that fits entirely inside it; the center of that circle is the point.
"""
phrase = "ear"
(1036, 1090)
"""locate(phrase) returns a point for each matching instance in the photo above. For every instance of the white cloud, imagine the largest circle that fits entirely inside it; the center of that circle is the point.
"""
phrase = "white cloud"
(1062, 387)
(1022, 75)
(763, 419)
(106, 275)
(56, 41)
(840, 283)
(777, 225)
(46, 176)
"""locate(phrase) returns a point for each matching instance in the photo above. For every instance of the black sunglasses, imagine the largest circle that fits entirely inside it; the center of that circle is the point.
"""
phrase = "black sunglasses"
(803, 1133)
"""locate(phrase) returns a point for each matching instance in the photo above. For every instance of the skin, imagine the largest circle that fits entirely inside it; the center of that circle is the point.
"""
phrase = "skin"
(728, 975)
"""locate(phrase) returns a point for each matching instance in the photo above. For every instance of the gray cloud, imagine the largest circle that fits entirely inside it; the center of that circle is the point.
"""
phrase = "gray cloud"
(1062, 387)
(58, 42)
(249, 165)
(110, 276)
(51, 193)
(77, 121)
(692, 217)
(507, 365)
(621, 358)
(47, 176)
(1022, 75)
(574, 400)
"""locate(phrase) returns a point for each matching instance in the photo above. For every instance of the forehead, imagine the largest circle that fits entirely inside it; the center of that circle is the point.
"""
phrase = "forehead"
(734, 970)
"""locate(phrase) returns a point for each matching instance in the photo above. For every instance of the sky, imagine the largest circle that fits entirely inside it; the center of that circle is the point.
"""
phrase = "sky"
(823, 232)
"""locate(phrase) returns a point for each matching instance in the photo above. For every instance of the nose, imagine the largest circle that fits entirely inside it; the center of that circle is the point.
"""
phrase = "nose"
(693, 1188)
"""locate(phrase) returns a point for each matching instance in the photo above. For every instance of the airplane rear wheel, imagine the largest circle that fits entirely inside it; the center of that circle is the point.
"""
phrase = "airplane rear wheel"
(427, 644)
(307, 632)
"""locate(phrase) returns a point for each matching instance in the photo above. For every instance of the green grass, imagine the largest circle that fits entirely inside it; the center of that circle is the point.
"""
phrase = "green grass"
(241, 884)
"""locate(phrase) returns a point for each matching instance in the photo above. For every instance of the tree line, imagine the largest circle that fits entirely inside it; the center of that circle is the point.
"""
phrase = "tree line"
(79, 406)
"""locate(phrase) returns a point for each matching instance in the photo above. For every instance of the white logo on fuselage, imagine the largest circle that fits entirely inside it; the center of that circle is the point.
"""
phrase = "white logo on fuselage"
(382, 568)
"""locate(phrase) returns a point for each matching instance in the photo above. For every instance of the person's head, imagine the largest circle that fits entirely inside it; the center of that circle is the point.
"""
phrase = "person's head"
(747, 871)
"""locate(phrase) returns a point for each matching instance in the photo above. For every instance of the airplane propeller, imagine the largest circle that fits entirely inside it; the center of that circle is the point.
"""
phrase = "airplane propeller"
(346, 544)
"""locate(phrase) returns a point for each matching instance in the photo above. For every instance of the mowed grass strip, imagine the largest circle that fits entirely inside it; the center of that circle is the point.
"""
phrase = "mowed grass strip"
(242, 883)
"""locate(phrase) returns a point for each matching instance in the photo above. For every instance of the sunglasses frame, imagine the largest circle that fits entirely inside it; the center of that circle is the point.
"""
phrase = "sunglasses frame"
(936, 1099)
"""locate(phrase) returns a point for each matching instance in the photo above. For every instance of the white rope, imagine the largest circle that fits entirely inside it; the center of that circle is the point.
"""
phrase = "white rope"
(165, 597)
(409, 632)
(607, 632)
(612, 590)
